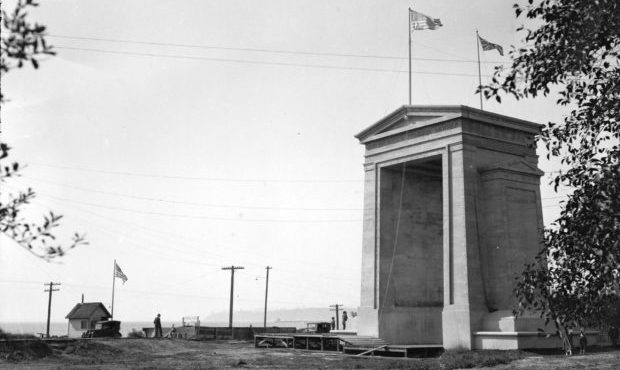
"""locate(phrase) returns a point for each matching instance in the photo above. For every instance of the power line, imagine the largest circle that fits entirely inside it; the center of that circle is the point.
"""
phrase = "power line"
(167, 250)
(204, 178)
(193, 241)
(192, 203)
(146, 292)
(242, 61)
(201, 217)
(270, 51)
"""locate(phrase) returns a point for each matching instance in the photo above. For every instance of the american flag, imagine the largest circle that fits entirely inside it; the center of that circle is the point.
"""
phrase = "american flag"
(486, 45)
(420, 21)
(119, 273)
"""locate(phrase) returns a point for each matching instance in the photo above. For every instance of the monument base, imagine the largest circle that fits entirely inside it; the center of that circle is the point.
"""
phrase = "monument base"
(367, 321)
(526, 340)
(502, 330)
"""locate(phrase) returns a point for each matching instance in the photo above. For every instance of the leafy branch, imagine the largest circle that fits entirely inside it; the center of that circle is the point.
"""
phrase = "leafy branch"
(24, 42)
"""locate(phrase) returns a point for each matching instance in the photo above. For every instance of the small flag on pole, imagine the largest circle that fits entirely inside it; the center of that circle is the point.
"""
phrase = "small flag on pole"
(420, 21)
(486, 46)
(119, 273)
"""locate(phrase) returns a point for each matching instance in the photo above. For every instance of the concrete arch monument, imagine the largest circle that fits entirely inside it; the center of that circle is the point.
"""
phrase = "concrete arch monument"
(452, 212)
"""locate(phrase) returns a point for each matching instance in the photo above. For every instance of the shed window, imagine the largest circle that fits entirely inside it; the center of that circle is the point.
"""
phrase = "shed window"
(83, 324)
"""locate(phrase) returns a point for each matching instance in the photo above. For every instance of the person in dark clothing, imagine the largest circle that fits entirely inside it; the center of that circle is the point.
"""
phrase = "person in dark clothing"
(333, 323)
(344, 320)
(157, 323)
(583, 342)
(613, 335)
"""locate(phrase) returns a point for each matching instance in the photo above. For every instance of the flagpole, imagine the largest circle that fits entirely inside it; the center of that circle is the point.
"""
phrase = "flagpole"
(409, 28)
(479, 77)
(113, 281)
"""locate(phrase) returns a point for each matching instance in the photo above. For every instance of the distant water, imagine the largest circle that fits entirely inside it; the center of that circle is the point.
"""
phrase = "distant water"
(60, 328)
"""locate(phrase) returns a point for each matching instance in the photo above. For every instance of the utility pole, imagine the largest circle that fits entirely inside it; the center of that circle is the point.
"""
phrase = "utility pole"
(266, 290)
(232, 288)
(336, 308)
(49, 303)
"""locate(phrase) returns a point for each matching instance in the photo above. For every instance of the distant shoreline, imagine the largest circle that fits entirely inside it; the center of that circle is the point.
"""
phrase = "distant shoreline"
(59, 328)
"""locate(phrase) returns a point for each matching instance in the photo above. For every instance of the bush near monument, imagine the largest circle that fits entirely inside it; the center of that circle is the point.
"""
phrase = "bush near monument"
(575, 49)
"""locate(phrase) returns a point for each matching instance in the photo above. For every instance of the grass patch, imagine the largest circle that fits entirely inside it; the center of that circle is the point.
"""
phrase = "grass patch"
(14, 348)
(468, 359)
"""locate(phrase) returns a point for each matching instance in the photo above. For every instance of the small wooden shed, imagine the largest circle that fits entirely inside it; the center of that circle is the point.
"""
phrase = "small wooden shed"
(84, 316)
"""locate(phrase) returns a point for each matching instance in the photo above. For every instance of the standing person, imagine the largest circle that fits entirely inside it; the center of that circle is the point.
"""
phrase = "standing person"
(583, 342)
(613, 335)
(157, 323)
(334, 323)
(344, 320)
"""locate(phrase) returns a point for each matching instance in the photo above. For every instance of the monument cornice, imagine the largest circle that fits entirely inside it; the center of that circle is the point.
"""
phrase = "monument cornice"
(403, 142)
(414, 117)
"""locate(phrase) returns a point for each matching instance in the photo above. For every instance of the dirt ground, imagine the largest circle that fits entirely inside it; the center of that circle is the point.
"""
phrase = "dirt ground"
(603, 358)
(179, 354)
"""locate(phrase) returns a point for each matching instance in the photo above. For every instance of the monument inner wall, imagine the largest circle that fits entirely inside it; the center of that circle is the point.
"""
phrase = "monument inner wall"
(411, 254)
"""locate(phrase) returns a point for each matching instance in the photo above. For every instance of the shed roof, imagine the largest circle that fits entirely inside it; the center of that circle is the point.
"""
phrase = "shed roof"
(86, 310)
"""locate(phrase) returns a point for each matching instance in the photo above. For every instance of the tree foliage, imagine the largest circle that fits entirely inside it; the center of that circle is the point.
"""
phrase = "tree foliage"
(574, 49)
(23, 43)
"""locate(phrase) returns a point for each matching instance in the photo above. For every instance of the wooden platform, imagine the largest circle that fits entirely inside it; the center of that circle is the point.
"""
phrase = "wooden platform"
(396, 350)
(349, 344)
(317, 342)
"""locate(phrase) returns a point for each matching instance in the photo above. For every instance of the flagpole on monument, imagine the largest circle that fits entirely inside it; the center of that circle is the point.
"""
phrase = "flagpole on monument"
(409, 28)
(113, 282)
(479, 74)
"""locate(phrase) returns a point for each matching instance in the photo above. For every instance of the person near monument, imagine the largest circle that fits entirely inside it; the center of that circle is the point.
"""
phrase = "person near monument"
(344, 320)
(333, 323)
(173, 332)
(613, 335)
(583, 342)
(157, 323)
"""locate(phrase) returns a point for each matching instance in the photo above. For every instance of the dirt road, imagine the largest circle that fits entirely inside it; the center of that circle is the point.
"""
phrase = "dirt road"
(180, 354)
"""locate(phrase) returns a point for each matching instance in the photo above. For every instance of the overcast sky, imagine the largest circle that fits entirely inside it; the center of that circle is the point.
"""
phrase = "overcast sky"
(184, 136)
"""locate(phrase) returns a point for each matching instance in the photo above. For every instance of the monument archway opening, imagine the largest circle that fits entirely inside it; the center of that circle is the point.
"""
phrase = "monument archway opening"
(411, 251)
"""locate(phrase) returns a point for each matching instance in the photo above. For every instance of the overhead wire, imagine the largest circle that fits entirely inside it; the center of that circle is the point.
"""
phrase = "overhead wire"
(243, 61)
(201, 217)
(176, 237)
(272, 51)
(203, 178)
(312, 287)
(191, 203)
(70, 285)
